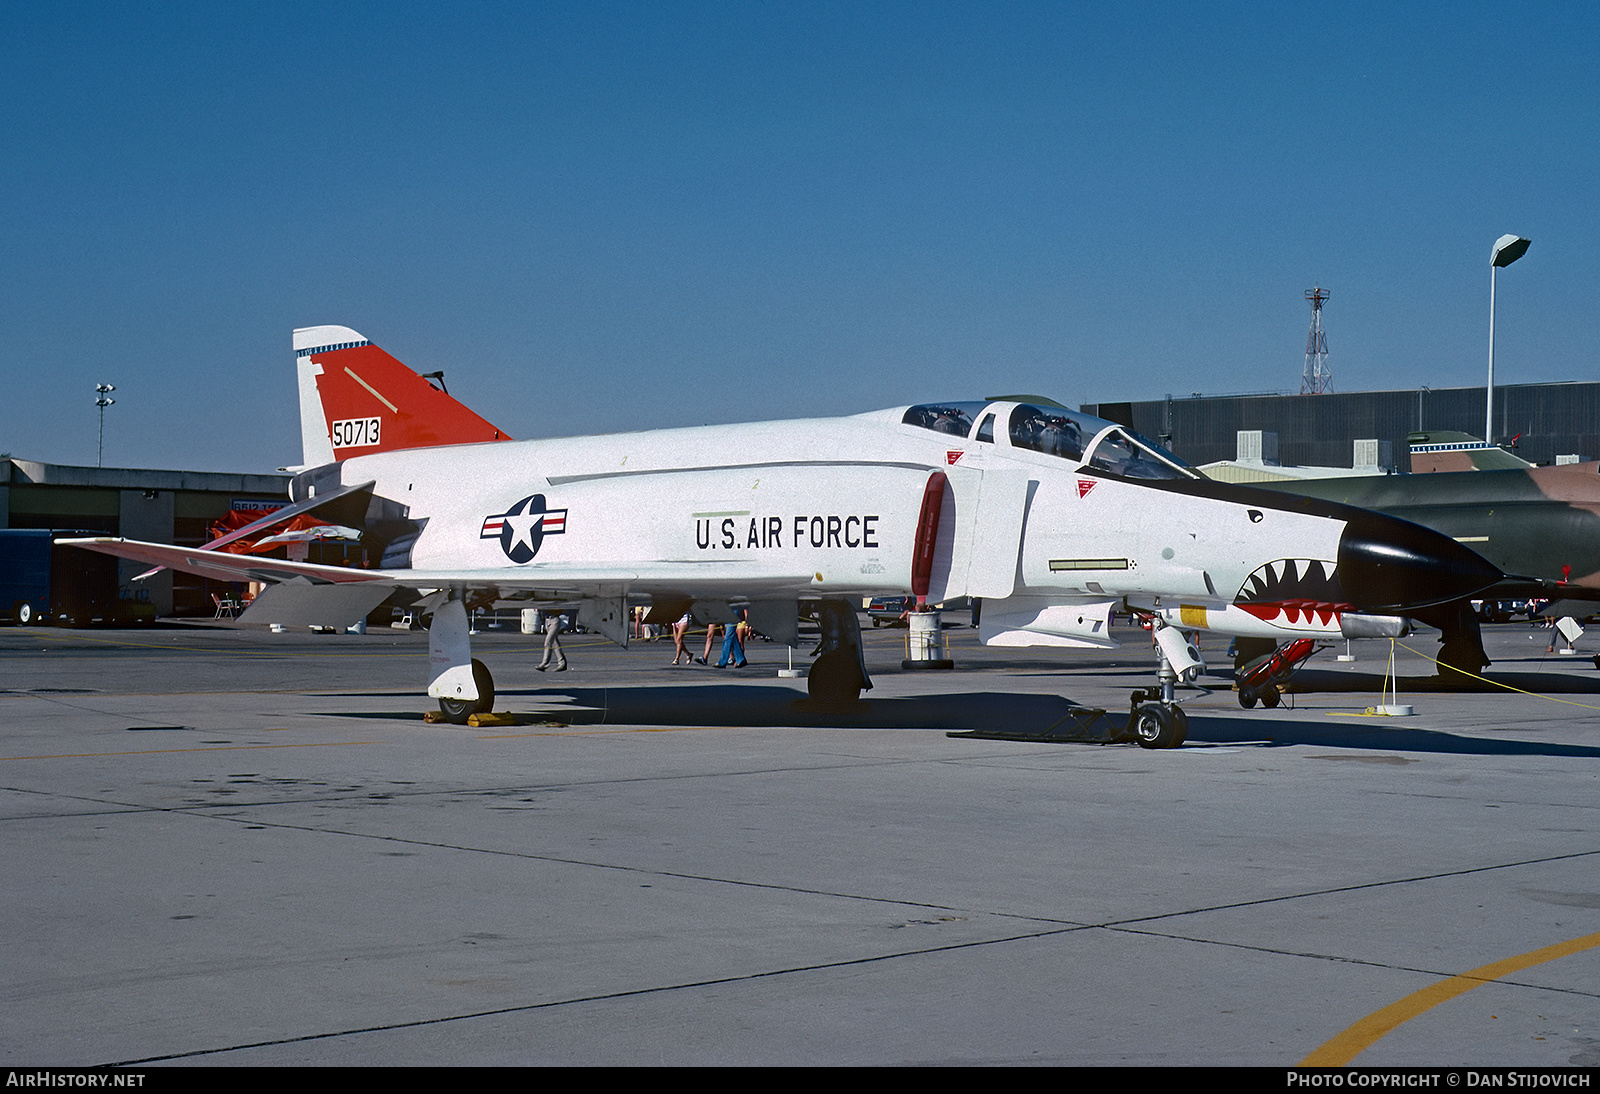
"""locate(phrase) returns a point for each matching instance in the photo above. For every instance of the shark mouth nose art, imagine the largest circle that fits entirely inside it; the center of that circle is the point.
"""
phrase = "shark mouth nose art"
(1292, 589)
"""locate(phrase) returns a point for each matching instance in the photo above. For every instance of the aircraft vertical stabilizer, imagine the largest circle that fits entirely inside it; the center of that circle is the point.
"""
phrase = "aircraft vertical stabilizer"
(356, 400)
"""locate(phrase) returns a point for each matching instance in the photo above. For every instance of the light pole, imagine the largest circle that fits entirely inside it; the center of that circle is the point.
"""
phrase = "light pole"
(103, 400)
(1507, 249)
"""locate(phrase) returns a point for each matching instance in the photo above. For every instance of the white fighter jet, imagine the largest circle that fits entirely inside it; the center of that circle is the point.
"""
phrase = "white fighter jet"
(1053, 518)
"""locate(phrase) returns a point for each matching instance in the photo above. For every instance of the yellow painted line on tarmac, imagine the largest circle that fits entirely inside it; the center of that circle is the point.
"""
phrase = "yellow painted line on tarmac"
(1361, 1036)
(208, 748)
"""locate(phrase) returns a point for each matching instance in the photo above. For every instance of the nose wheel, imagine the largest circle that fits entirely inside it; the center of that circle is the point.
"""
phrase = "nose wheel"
(1155, 719)
(1159, 725)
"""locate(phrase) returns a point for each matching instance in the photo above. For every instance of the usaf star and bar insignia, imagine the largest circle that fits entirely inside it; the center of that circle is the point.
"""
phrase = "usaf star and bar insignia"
(522, 528)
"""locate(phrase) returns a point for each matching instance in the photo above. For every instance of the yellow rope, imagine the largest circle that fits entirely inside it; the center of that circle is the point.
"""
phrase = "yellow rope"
(1392, 679)
(1496, 683)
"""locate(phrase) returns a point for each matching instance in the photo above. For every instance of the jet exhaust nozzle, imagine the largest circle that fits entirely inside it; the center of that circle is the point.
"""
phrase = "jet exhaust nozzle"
(1387, 564)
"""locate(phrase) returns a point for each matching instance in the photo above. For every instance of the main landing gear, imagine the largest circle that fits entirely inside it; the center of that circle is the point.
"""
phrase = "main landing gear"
(840, 672)
(1155, 719)
(1460, 636)
(461, 683)
(457, 711)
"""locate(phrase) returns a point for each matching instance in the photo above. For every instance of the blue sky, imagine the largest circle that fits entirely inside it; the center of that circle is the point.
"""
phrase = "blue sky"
(600, 216)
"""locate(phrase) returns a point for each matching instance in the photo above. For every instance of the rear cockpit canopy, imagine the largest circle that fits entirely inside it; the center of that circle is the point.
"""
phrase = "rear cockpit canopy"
(1047, 427)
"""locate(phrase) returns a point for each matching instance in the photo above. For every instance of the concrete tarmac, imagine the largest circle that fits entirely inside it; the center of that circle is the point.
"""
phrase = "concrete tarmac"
(223, 846)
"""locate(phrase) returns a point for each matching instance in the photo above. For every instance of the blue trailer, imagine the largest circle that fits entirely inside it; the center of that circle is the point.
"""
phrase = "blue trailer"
(41, 583)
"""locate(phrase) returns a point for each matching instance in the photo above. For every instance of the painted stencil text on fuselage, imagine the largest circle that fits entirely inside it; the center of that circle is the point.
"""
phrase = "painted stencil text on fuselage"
(744, 531)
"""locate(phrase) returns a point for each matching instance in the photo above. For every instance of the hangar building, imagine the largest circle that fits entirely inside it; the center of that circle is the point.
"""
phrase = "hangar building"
(1547, 420)
(159, 506)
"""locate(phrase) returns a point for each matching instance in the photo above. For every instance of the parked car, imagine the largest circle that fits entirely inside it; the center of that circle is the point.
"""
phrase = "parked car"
(889, 610)
(1497, 611)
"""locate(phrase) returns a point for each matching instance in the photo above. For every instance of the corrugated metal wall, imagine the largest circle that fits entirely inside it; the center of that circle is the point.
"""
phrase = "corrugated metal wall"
(1318, 430)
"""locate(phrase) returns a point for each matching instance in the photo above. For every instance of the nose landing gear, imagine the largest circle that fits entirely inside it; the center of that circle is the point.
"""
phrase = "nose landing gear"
(1155, 719)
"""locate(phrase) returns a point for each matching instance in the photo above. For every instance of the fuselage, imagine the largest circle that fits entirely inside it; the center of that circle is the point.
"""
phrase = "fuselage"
(832, 505)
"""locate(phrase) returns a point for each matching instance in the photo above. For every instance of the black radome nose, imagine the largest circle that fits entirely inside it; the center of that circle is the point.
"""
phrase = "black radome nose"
(1388, 564)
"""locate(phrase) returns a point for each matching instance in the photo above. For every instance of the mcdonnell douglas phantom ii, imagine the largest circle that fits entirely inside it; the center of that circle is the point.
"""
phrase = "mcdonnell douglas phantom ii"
(1053, 518)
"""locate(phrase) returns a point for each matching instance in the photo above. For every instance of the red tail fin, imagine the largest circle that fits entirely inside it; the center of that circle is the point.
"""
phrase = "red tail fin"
(355, 400)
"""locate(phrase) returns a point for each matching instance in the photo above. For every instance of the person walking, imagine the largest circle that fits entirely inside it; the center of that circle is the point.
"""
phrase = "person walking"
(711, 639)
(733, 643)
(679, 629)
(552, 643)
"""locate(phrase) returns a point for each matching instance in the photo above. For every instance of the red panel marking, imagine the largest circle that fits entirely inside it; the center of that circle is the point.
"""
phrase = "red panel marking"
(927, 537)
(1084, 486)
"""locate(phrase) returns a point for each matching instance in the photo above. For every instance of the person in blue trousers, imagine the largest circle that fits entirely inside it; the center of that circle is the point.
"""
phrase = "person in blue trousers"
(733, 643)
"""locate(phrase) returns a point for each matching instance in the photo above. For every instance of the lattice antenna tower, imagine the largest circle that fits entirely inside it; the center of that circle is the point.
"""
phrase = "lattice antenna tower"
(1317, 379)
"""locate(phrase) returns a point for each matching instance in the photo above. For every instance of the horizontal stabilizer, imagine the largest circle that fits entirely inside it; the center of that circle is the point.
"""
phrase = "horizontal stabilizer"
(225, 566)
(351, 497)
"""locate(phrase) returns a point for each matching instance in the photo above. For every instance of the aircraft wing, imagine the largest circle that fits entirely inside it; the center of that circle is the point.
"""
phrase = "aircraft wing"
(694, 578)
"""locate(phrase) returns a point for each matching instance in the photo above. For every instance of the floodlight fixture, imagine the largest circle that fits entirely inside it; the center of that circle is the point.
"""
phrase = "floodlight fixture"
(1507, 249)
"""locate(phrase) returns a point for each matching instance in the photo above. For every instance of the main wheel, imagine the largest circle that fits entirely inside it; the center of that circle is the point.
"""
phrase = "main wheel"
(29, 616)
(1156, 726)
(1248, 697)
(834, 678)
(458, 711)
(1270, 697)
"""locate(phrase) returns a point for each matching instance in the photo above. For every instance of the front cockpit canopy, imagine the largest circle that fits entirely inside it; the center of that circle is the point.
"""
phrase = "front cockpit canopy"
(1054, 430)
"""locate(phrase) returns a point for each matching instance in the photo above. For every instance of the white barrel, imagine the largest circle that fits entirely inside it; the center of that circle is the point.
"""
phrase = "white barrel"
(530, 621)
(927, 638)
